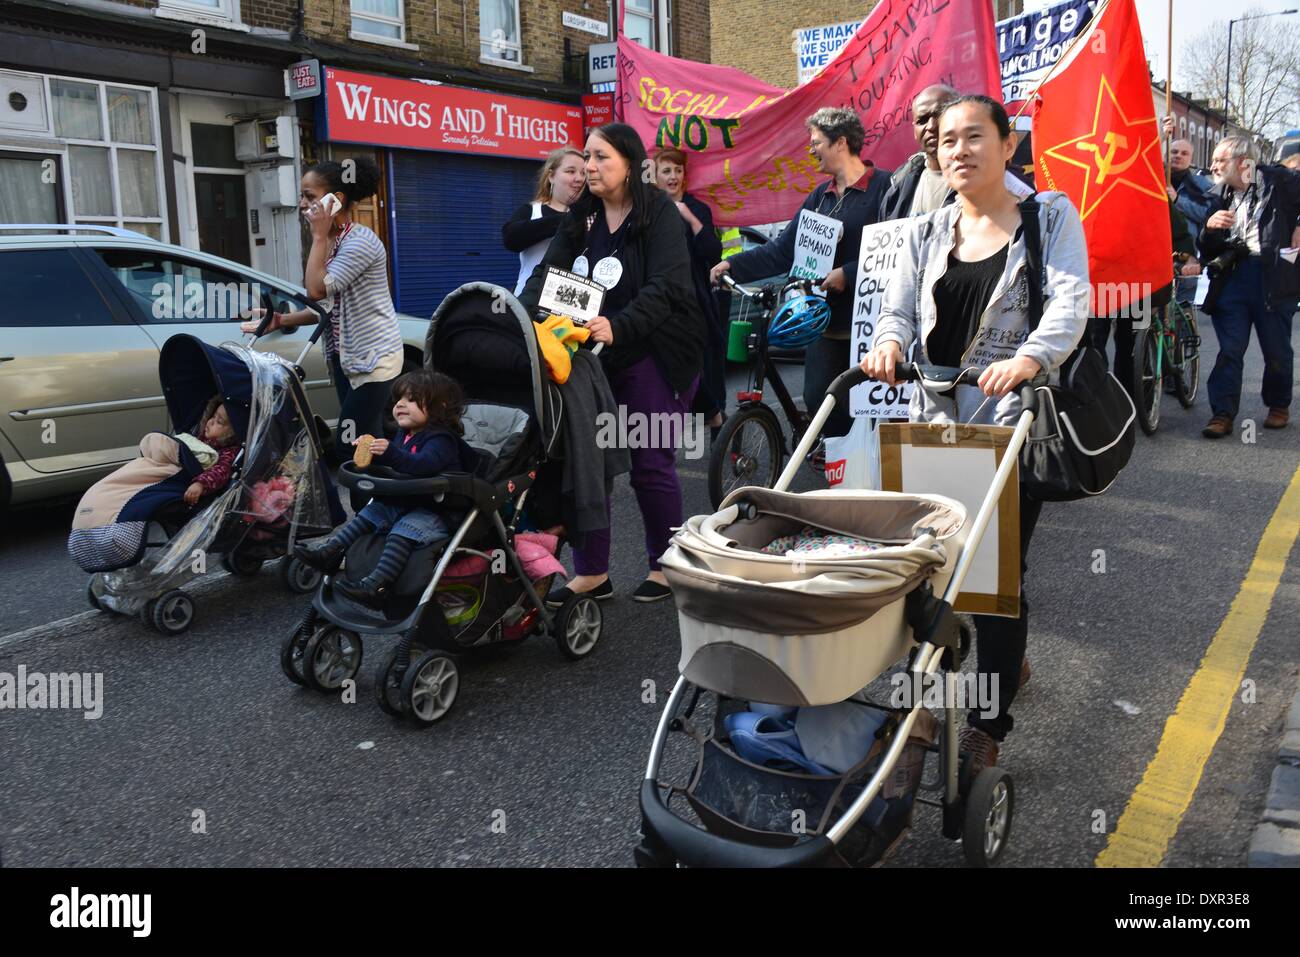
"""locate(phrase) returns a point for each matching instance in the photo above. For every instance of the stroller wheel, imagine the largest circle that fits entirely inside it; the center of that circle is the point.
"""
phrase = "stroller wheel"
(172, 613)
(291, 657)
(989, 807)
(388, 686)
(146, 614)
(298, 577)
(330, 657)
(577, 626)
(240, 564)
(429, 687)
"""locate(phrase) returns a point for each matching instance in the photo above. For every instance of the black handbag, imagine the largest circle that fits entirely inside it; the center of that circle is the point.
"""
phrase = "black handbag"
(1085, 428)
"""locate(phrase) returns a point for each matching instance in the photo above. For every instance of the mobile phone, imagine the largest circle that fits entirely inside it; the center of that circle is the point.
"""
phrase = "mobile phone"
(330, 204)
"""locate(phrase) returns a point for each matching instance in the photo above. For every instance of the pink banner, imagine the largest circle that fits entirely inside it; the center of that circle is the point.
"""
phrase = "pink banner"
(746, 141)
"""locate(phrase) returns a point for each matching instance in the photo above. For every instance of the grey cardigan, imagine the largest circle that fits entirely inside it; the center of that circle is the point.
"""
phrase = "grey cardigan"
(908, 309)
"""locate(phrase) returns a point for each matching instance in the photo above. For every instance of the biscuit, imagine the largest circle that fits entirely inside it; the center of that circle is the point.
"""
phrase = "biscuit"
(362, 457)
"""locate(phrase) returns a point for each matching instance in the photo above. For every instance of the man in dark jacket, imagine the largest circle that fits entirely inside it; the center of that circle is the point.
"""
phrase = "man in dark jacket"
(918, 185)
(851, 195)
(1256, 215)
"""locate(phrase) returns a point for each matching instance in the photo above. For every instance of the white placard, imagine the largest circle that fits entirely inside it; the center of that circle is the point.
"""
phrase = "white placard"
(568, 294)
(817, 46)
(881, 244)
(586, 24)
(602, 63)
(814, 245)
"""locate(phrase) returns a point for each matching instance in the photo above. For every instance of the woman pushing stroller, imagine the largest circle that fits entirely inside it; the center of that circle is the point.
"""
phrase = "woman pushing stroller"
(961, 289)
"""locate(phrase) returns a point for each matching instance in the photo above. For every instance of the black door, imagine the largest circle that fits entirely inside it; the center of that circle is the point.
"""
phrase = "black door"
(222, 210)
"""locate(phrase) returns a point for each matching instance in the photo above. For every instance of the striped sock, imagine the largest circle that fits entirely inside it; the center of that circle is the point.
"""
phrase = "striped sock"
(396, 551)
(353, 530)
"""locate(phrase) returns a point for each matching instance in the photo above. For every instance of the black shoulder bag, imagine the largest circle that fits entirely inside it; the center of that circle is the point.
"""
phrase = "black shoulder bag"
(1085, 428)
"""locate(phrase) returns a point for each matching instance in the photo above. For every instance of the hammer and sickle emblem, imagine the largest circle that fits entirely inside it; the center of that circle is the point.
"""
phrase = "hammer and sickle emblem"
(1106, 164)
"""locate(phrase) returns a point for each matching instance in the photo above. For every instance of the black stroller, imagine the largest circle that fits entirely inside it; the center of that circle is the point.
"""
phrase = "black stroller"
(481, 336)
(279, 490)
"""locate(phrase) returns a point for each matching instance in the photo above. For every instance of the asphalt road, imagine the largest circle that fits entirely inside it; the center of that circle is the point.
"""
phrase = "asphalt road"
(539, 762)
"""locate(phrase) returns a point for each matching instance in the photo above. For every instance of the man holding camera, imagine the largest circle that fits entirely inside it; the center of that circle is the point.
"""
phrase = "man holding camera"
(1248, 245)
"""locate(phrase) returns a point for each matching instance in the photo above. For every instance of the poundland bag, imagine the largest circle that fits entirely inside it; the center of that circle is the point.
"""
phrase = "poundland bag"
(1085, 428)
(850, 462)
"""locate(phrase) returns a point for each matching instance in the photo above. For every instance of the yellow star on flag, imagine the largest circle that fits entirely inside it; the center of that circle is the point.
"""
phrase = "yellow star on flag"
(1105, 158)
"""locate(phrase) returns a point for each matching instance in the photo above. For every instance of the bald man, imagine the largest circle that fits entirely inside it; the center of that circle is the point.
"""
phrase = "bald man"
(918, 187)
(1191, 189)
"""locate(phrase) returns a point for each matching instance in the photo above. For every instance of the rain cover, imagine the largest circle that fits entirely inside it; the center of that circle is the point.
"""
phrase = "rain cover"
(282, 494)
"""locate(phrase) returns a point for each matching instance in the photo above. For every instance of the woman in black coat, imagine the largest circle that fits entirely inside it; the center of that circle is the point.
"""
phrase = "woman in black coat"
(626, 234)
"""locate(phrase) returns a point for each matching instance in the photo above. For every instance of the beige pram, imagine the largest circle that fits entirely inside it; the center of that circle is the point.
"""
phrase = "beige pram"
(793, 630)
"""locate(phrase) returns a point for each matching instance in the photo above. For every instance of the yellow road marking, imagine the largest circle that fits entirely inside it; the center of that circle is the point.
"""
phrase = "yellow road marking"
(1149, 822)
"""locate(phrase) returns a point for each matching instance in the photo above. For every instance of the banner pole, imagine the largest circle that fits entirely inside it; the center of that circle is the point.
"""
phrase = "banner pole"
(1169, 93)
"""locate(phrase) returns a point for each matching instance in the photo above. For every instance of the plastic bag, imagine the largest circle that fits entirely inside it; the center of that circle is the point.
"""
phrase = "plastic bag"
(853, 460)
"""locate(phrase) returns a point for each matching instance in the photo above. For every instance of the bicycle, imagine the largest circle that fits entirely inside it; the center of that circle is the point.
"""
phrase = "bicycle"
(751, 448)
(1171, 346)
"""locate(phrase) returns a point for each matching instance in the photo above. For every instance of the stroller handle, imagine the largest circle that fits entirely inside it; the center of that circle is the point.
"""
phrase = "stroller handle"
(938, 379)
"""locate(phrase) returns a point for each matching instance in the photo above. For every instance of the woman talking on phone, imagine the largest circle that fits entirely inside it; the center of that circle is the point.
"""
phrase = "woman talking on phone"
(961, 289)
(627, 235)
(347, 273)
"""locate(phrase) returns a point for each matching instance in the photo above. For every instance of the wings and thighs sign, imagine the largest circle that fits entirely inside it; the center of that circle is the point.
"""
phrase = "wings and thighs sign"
(881, 243)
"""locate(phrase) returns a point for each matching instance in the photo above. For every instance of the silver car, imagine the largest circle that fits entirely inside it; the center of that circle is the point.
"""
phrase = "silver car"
(84, 311)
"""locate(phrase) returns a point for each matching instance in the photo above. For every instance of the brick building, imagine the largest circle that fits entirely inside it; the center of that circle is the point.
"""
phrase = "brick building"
(172, 117)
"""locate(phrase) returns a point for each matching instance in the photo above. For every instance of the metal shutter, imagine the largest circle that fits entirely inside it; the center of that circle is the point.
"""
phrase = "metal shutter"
(449, 211)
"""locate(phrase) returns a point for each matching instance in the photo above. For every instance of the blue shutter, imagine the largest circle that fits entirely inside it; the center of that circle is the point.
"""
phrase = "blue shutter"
(450, 210)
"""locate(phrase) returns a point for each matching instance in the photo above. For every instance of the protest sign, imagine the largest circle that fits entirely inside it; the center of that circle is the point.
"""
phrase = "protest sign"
(1029, 45)
(814, 245)
(881, 244)
(817, 46)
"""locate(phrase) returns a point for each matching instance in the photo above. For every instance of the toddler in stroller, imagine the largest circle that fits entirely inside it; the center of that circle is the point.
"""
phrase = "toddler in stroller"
(428, 443)
(216, 446)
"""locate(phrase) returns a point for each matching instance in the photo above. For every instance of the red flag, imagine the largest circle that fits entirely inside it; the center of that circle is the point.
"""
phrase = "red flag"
(1096, 140)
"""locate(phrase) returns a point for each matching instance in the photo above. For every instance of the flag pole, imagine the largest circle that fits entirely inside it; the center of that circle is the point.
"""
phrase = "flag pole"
(1169, 92)
(1059, 60)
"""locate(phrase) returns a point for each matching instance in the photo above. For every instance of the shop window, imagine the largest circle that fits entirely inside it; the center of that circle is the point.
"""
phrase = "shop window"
(111, 132)
(382, 20)
(499, 34)
(649, 23)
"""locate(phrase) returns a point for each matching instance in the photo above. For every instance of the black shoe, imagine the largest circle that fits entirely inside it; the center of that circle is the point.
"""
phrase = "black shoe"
(558, 596)
(323, 554)
(369, 591)
(651, 591)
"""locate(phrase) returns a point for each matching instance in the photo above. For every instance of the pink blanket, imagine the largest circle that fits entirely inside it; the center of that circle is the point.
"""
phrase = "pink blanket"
(536, 553)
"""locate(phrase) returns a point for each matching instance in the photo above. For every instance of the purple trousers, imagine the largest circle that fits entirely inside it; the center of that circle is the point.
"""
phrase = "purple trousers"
(640, 391)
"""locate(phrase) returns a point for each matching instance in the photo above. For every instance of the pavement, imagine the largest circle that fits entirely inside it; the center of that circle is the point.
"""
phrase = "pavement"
(1276, 841)
(205, 755)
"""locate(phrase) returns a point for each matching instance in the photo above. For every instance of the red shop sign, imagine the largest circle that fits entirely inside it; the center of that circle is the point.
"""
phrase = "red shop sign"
(599, 108)
(385, 111)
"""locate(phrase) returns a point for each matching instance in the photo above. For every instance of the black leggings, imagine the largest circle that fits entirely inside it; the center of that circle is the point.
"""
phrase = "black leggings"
(363, 407)
(1000, 642)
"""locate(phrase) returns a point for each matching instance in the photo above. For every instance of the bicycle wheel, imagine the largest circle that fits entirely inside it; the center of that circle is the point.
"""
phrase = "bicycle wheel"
(1146, 383)
(749, 450)
(1187, 381)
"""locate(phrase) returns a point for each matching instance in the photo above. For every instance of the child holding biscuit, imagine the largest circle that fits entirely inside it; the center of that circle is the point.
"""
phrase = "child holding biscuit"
(428, 442)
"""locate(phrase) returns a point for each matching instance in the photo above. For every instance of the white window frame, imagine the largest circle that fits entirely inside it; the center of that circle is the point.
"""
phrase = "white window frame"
(226, 15)
(113, 146)
(661, 22)
(516, 47)
(399, 21)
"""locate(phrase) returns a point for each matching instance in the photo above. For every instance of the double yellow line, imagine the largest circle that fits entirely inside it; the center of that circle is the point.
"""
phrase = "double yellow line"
(1149, 822)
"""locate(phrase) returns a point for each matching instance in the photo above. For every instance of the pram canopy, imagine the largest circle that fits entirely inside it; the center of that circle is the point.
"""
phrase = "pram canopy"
(802, 629)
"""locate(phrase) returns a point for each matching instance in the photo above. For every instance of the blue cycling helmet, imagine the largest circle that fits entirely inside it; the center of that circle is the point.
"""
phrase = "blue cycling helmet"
(799, 322)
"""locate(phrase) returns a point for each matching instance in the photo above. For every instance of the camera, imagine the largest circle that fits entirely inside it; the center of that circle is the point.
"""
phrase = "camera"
(1226, 261)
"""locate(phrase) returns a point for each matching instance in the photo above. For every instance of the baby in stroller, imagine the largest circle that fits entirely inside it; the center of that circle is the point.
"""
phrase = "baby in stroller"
(428, 442)
(216, 446)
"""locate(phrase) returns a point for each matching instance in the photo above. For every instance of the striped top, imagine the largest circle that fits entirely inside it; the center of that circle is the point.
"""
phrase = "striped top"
(356, 292)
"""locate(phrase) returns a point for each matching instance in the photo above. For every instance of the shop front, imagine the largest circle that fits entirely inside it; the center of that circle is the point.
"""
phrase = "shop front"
(457, 163)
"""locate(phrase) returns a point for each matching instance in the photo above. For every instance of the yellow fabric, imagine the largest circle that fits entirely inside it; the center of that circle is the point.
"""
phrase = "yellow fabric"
(730, 241)
(559, 338)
